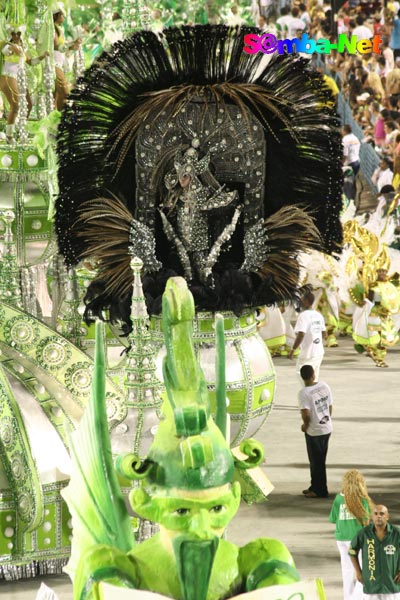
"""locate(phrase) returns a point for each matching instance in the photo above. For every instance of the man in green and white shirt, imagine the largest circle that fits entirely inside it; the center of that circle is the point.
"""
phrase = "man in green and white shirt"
(379, 543)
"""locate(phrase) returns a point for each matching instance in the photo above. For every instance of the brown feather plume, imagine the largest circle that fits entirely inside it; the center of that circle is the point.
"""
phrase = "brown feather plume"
(290, 231)
(106, 225)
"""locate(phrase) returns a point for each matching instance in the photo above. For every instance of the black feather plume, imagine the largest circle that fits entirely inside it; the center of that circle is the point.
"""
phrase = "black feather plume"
(135, 81)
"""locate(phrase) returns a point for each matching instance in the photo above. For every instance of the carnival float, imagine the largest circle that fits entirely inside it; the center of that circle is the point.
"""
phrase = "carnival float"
(175, 155)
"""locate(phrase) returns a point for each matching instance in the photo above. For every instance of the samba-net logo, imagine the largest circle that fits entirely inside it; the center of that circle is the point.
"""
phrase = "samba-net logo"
(269, 44)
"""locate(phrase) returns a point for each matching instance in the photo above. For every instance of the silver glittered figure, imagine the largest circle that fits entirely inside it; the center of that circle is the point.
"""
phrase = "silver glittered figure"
(193, 195)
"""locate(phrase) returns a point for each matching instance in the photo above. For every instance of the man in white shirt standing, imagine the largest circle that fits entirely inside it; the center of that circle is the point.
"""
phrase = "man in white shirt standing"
(315, 402)
(351, 148)
(351, 157)
(310, 332)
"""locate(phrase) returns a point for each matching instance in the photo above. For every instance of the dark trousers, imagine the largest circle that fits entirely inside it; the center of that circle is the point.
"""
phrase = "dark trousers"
(317, 449)
(355, 166)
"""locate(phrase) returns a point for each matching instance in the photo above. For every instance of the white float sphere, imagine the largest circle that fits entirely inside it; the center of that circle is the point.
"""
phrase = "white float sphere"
(6, 160)
(32, 160)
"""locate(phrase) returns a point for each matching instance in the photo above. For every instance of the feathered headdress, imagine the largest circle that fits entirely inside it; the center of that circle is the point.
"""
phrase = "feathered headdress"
(265, 182)
(15, 28)
(58, 7)
(15, 16)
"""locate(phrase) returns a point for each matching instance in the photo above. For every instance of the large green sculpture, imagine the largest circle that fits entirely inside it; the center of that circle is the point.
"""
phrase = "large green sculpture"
(186, 487)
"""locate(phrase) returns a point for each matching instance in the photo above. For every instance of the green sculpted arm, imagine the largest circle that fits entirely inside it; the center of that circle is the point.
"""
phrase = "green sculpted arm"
(266, 562)
(94, 498)
(103, 563)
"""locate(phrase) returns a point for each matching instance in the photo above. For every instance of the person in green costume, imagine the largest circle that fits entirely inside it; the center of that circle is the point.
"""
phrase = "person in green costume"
(186, 487)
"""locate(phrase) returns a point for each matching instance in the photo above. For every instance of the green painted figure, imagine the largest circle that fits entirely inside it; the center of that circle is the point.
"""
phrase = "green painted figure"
(186, 487)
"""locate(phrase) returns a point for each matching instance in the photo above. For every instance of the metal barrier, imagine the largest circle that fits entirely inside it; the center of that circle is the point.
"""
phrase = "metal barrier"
(369, 159)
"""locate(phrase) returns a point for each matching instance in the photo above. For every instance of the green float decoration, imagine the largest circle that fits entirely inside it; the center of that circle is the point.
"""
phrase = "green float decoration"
(186, 487)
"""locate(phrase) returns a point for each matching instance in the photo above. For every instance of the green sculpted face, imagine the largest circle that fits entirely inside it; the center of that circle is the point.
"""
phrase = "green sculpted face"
(198, 514)
(191, 524)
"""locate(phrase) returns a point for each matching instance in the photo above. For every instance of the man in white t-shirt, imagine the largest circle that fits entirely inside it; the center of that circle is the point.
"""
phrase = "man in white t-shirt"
(283, 21)
(310, 332)
(315, 402)
(351, 148)
(295, 24)
(361, 30)
(351, 157)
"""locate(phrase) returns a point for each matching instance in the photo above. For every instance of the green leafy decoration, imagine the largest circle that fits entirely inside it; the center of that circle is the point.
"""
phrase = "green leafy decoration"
(94, 497)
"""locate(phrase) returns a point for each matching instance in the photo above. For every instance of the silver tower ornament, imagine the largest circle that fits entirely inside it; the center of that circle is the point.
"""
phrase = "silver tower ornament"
(10, 290)
(142, 385)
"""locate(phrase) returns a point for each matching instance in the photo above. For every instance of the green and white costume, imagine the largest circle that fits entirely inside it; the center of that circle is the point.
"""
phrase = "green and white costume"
(347, 526)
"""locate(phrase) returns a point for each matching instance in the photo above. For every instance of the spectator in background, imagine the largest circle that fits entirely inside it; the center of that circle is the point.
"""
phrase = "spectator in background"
(312, 7)
(282, 23)
(354, 3)
(392, 109)
(255, 11)
(395, 35)
(373, 82)
(234, 17)
(304, 15)
(393, 82)
(386, 197)
(351, 158)
(364, 113)
(396, 162)
(388, 54)
(351, 511)
(341, 24)
(375, 112)
(377, 25)
(360, 29)
(266, 8)
(379, 132)
(295, 24)
(356, 78)
(262, 23)
(381, 68)
(265, 25)
(383, 175)
(334, 62)
(391, 132)
(351, 148)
